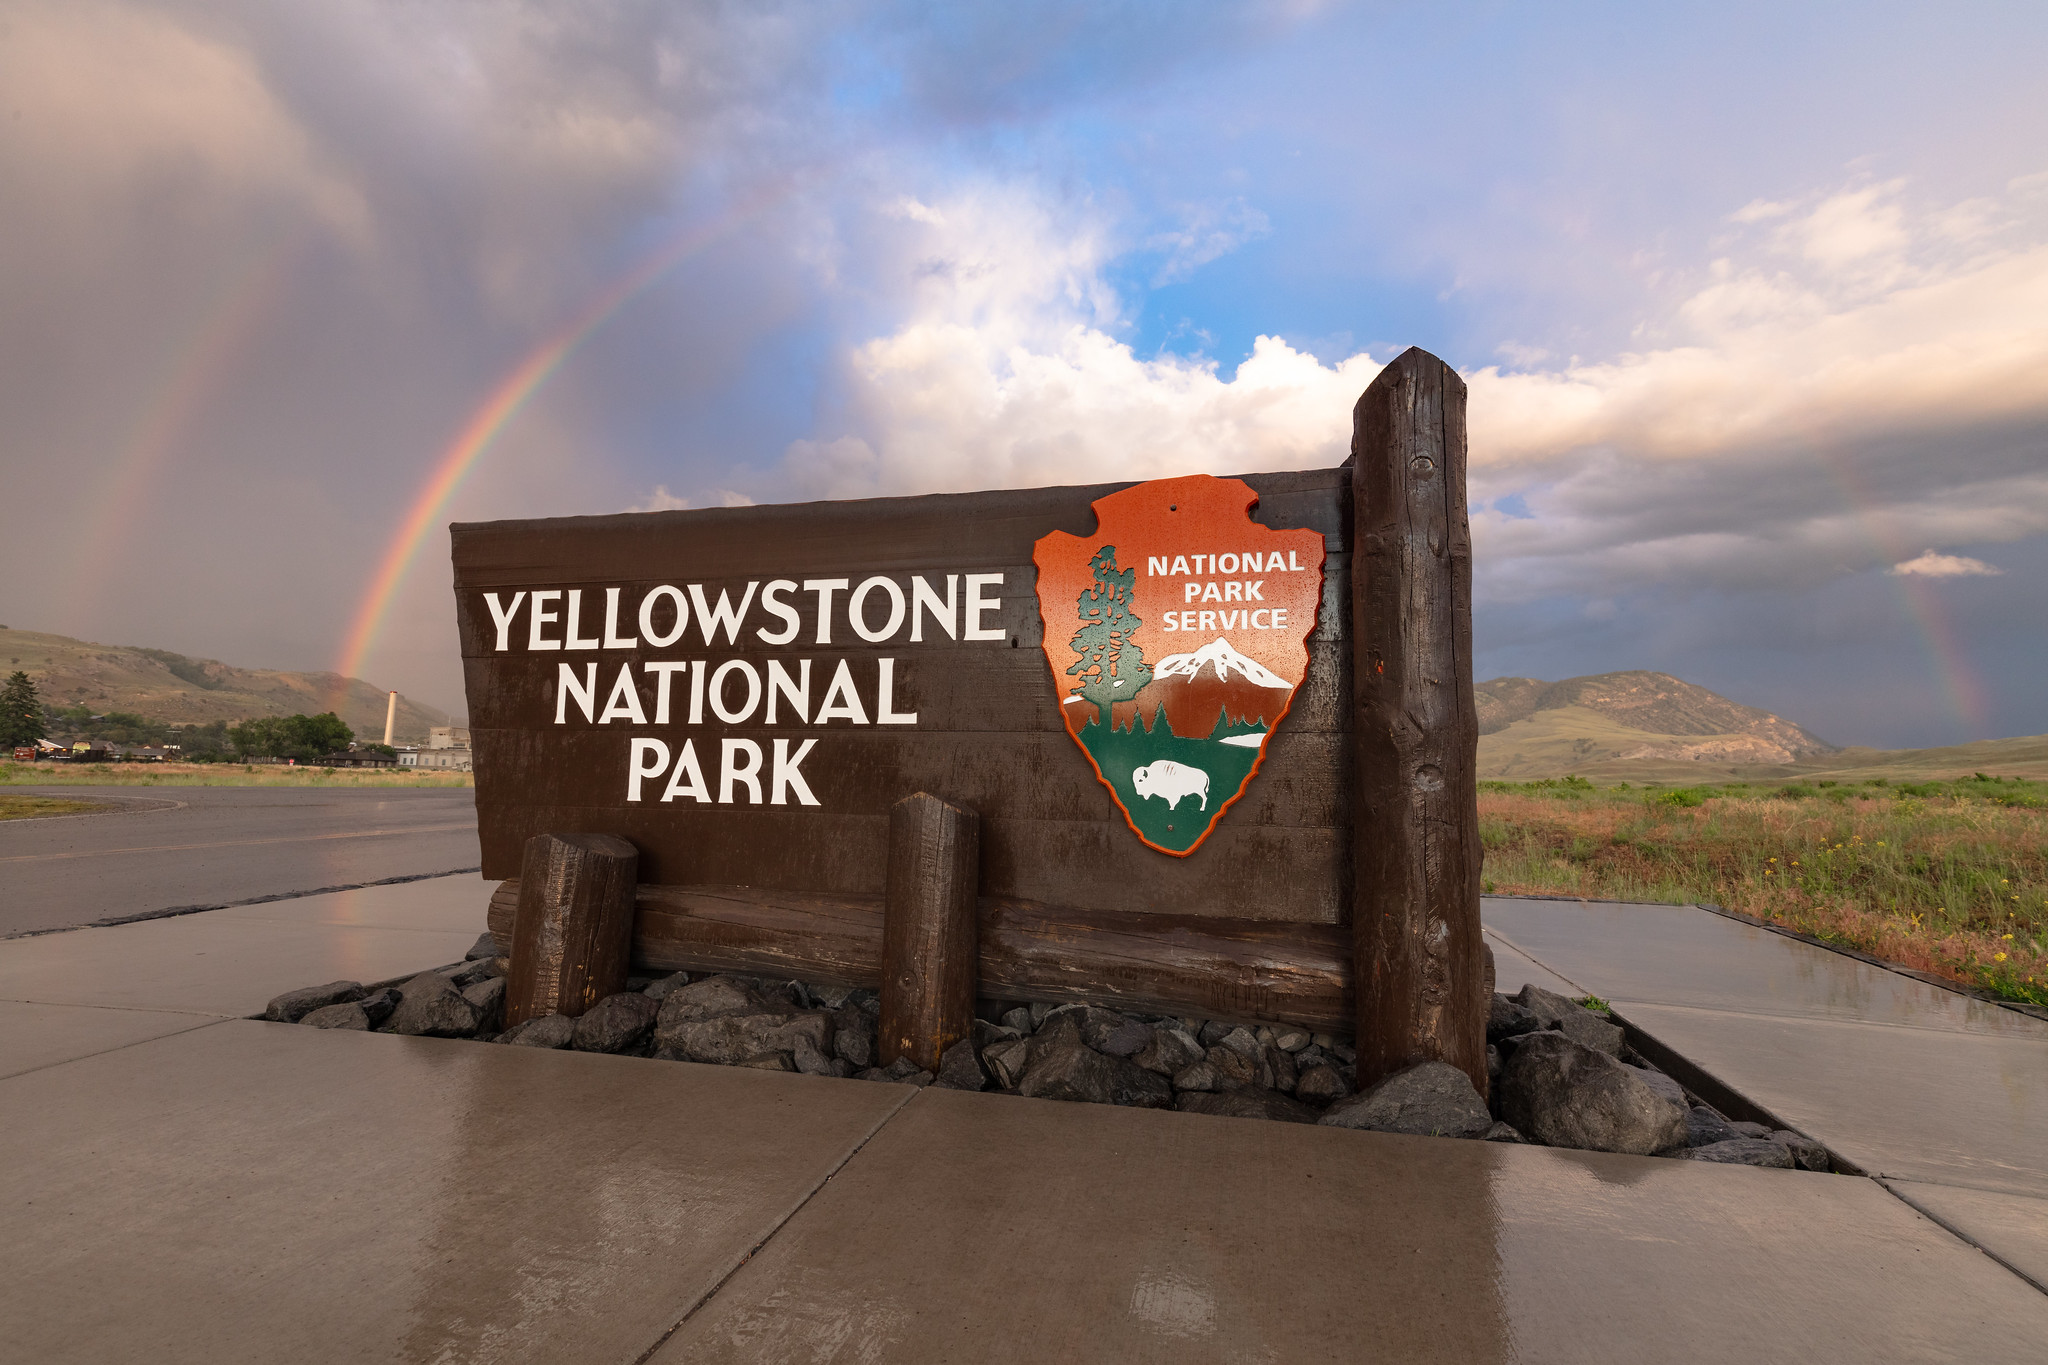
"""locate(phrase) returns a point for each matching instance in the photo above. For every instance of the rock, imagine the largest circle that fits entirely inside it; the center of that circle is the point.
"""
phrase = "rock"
(1171, 1051)
(1006, 1061)
(728, 1039)
(1704, 1127)
(1279, 1065)
(1507, 1017)
(617, 1023)
(1434, 1099)
(1244, 1042)
(1743, 1151)
(988, 1035)
(347, 1015)
(1129, 1038)
(379, 1004)
(1212, 1032)
(1019, 1019)
(1662, 1084)
(832, 997)
(711, 998)
(1343, 1052)
(1234, 1070)
(1493, 1064)
(1071, 1071)
(292, 1006)
(487, 997)
(1563, 1094)
(1200, 1078)
(960, 1068)
(813, 1062)
(660, 990)
(1058, 1030)
(853, 1036)
(1502, 1132)
(1572, 1019)
(1809, 1155)
(550, 1030)
(1037, 1009)
(1246, 1104)
(1099, 1025)
(1288, 1038)
(769, 1061)
(429, 1006)
(1319, 1084)
(902, 1071)
(1745, 1128)
(470, 972)
(485, 946)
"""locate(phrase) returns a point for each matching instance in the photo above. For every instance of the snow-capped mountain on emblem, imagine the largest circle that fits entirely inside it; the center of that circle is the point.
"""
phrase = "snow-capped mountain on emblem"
(1213, 685)
(1176, 728)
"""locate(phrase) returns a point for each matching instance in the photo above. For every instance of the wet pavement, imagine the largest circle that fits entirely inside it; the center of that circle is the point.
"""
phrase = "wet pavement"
(160, 848)
(186, 1186)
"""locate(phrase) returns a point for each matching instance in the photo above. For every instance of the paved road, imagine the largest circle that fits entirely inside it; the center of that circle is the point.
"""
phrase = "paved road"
(168, 847)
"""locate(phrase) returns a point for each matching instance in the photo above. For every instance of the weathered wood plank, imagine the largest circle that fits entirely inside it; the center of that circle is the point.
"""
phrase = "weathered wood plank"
(1243, 970)
(573, 925)
(1417, 851)
(928, 931)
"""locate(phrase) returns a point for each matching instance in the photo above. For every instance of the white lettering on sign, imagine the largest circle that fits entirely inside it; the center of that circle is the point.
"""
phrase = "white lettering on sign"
(956, 608)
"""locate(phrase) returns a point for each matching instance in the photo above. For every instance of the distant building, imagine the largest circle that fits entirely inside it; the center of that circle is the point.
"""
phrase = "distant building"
(452, 759)
(447, 737)
(355, 758)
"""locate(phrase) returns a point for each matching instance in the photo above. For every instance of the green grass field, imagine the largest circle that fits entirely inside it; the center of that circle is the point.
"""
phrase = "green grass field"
(1949, 877)
(21, 806)
(219, 775)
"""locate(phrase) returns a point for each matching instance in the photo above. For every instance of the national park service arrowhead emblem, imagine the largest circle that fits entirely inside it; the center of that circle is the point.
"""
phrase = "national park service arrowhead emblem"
(1177, 635)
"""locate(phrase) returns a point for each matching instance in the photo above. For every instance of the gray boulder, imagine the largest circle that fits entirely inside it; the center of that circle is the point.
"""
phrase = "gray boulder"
(485, 946)
(1320, 1083)
(1277, 1063)
(550, 1030)
(429, 1006)
(728, 1039)
(1235, 1070)
(1006, 1061)
(1434, 1099)
(1018, 1019)
(1662, 1084)
(1810, 1155)
(1506, 1018)
(769, 1061)
(1246, 1104)
(617, 1023)
(1129, 1038)
(1200, 1078)
(1747, 1128)
(662, 988)
(488, 999)
(293, 1006)
(1212, 1032)
(1564, 1095)
(347, 1015)
(813, 1062)
(853, 1036)
(711, 998)
(469, 972)
(1704, 1127)
(1070, 1071)
(1743, 1152)
(1572, 1019)
(379, 1004)
(1289, 1038)
(1502, 1132)
(1170, 1051)
(960, 1068)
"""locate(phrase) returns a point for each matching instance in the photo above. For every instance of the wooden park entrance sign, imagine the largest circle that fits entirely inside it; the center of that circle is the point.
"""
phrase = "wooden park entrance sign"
(1194, 746)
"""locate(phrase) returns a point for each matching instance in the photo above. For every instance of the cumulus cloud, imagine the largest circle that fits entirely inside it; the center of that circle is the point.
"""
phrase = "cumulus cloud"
(1936, 565)
(660, 500)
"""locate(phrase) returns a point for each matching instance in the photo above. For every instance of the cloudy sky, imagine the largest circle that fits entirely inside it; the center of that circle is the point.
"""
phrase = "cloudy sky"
(1752, 300)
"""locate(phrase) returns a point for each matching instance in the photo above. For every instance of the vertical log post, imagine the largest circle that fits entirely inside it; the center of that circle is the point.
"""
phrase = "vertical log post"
(572, 937)
(1419, 959)
(929, 942)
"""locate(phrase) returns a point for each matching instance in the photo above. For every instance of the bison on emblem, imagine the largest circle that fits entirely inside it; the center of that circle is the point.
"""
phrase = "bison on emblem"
(1170, 781)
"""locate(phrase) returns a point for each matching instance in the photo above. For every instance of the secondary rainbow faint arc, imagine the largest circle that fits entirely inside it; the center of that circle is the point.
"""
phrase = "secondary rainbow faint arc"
(496, 411)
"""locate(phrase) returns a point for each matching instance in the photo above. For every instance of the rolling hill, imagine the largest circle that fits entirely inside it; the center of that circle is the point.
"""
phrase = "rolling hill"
(1652, 727)
(160, 685)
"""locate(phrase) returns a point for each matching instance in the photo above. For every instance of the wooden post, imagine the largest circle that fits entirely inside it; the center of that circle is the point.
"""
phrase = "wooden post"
(1419, 960)
(928, 930)
(572, 937)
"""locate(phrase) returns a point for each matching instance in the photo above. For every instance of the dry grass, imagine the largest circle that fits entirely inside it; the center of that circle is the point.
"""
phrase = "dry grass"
(16, 806)
(220, 775)
(1944, 877)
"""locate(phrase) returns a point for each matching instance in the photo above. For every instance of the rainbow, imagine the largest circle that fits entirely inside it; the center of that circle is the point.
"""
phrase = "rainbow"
(202, 358)
(496, 411)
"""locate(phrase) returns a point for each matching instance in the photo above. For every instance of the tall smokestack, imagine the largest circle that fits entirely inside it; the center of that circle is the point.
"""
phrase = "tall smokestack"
(390, 716)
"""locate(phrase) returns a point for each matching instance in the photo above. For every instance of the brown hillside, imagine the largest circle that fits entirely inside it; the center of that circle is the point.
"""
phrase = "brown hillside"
(160, 685)
(1650, 703)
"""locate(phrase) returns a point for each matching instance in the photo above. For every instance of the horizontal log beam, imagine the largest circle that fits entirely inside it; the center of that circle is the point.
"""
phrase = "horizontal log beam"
(1248, 971)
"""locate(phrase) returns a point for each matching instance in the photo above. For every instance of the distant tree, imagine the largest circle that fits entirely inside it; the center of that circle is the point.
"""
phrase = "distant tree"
(1112, 667)
(21, 711)
(291, 736)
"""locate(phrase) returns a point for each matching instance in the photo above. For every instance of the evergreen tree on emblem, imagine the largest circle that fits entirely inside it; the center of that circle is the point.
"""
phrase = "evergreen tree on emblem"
(1112, 667)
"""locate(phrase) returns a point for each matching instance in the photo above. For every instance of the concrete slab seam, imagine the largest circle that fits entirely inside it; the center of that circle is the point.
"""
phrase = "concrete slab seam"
(1491, 932)
(1946, 1226)
(206, 1021)
(910, 1093)
(172, 912)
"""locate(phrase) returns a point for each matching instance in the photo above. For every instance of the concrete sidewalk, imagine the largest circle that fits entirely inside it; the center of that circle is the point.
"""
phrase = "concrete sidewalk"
(207, 1188)
(1941, 1096)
